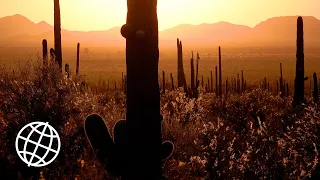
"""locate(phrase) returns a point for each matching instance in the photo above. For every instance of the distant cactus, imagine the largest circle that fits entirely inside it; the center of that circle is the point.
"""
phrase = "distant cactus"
(57, 34)
(298, 97)
(211, 82)
(181, 75)
(197, 67)
(78, 58)
(172, 82)
(216, 80)
(192, 71)
(315, 92)
(44, 51)
(281, 80)
(238, 83)
(193, 91)
(226, 87)
(242, 81)
(207, 86)
(220, 74)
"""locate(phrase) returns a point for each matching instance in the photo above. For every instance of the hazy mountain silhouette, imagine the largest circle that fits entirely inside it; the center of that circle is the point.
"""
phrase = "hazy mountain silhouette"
(17, 30)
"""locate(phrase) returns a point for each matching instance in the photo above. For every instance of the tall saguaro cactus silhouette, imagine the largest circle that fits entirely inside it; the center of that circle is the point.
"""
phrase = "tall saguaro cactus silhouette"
(220, 74)
(298, 97)
(181, 76)
(44, 51)
(78, 58)
(143, 96)
(57, 34)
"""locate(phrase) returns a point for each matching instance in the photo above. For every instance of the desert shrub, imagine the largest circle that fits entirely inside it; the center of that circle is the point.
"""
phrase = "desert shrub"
(33, 92)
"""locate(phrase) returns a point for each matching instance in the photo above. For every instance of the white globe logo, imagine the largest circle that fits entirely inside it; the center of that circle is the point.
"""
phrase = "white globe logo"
(38, 144)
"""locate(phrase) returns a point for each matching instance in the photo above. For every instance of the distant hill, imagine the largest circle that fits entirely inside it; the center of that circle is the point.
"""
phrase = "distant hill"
(17, 30)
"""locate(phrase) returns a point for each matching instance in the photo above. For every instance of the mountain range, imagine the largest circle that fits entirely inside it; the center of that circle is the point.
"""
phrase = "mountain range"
(19, 31)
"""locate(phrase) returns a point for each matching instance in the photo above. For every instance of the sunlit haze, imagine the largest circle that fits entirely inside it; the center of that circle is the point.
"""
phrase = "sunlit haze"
(84, 15)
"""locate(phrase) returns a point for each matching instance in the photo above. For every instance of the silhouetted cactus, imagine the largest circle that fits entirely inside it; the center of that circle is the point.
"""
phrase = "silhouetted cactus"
(226, 87)
(220, 74)
(298, 96)
(242, 81)
(143, 97)
(211, 82)
(238, 83)
(57, 34)
(192, 72)
(172, 82)
(197, 67)
(281, 81)
(217, 93)
(44, 51)
(78, 59)
(181, 75)
(193, 91)
(315, 92)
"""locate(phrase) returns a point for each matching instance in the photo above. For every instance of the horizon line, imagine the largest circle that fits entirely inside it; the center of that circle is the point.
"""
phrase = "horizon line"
(164, 29)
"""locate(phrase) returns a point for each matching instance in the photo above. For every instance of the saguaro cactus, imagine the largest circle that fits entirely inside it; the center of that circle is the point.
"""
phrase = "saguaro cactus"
(172, 82)
(201, 80)
(197, 67)
(44, 51)
(192, 71)
(281, 81)
(57, 34)
(143, 97)
(315, 91)
(220, 74)
(78, 58)
(181, 75)
(298, 96)
(242, 81)
(211, 82)
(216, 68)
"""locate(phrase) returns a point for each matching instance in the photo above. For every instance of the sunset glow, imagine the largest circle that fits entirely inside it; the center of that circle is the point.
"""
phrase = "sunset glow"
(105, 14)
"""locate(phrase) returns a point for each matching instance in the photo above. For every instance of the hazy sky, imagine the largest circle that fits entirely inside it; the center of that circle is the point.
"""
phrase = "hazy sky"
(105, 14)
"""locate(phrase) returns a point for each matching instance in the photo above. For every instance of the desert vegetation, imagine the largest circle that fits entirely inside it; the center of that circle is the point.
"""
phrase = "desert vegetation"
(250, 134)
(223, 125)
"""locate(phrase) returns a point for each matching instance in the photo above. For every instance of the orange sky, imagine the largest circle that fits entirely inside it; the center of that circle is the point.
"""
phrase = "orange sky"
(103, 14)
